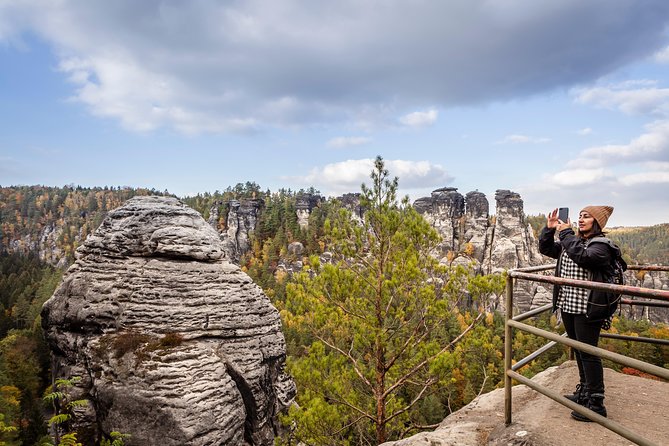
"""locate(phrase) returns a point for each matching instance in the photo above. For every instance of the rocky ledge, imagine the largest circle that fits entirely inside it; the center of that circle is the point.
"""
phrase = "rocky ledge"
(637, 403)
(174, 344)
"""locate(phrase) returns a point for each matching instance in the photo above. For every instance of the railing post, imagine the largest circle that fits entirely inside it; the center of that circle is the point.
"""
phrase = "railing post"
(508, 340)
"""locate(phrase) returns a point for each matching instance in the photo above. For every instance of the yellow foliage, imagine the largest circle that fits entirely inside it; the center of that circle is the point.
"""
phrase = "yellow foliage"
(489, 319)
(10, 395)
(280, 275)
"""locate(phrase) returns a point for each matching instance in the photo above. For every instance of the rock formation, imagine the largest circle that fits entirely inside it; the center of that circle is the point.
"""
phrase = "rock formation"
(637, 403)
(174, 344)
(241, 222)
(444, 210)
(352, 203)
(508, 243)
(304, 204)
(477, 231)
(466, 228)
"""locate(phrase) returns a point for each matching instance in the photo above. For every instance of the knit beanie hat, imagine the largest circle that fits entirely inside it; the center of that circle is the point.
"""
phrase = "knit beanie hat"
(600, 213)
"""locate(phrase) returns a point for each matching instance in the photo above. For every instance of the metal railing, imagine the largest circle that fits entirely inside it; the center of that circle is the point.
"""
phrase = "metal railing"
(512, 322)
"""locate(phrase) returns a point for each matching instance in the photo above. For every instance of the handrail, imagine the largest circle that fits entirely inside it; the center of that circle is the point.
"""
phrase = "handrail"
(514, 322)
(622, 289)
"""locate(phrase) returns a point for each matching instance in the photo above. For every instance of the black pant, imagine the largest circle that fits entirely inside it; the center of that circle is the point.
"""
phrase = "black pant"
(590, 369)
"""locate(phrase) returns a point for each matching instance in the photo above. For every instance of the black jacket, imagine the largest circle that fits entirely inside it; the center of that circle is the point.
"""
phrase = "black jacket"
(596, 257)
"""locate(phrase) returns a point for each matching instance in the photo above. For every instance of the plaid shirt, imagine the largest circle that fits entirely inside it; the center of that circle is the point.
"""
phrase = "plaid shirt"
(572, 299)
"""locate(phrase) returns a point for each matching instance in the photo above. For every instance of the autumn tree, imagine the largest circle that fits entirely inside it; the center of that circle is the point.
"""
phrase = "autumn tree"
(374, 320)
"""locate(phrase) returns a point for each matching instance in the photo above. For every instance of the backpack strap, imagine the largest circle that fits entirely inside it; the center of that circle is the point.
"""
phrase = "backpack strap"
(608, 241)
(602, 239)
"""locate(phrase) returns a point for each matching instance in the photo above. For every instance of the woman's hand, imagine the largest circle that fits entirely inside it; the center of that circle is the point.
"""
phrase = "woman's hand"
(552, 219)
(563, 226)
(553, 222)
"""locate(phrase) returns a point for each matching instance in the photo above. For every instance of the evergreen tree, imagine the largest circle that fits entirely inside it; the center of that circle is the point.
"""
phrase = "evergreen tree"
(377, 323)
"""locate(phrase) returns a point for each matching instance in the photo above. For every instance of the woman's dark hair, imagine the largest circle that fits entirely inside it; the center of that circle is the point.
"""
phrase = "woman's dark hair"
(596, 229)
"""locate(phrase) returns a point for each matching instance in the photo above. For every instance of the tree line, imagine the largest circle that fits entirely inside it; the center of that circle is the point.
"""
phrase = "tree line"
(383, 341)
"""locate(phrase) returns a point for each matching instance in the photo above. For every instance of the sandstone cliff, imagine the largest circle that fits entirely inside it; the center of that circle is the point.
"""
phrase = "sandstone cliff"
(469, 234)
(175, 344)
(507, 242)
(240, 223)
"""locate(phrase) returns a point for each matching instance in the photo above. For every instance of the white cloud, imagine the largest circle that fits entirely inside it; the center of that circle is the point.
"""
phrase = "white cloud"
(628, 98)
(577, 177)
(348, 141)
(662, 56)
(212, 66)
(347, 176)
(585, 131)
(420, 119)
(650, 146)
(645, 177)
(522, 139)
(633, 177)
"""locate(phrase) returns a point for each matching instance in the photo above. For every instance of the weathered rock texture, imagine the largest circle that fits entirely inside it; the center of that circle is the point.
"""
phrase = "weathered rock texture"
(444, 210)
(352, 203)
(304, 204)
(175, 345)
(466, 227)
(639, 404)
(241, 222)
(507, 243)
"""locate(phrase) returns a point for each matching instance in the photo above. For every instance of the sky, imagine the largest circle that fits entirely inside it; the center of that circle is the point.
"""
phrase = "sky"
(565, 102)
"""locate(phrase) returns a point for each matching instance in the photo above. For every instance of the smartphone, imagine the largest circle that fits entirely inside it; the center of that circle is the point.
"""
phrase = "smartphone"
(563, 214)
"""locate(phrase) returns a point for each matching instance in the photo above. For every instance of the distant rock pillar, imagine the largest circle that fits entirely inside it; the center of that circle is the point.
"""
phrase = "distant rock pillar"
(477, 228)
(241, 222)
(304, 204)
(513, 244)
(444, 210)
(351, 201)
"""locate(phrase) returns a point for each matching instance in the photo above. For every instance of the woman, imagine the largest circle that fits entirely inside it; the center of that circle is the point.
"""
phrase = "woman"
(582, 257)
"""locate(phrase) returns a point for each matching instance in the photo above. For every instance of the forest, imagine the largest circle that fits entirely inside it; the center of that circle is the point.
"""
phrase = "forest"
(400, 342)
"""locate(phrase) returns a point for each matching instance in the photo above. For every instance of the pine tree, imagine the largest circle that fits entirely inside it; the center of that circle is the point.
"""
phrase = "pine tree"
(376, 321)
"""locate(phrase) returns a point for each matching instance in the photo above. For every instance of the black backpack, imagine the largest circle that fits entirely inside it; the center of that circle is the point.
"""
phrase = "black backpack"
(619, 266)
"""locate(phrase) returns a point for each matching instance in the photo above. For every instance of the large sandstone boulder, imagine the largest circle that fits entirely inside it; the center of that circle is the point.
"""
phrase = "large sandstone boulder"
(174, 344)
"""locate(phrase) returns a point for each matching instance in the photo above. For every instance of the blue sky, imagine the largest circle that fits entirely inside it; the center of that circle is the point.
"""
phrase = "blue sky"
(565, 102)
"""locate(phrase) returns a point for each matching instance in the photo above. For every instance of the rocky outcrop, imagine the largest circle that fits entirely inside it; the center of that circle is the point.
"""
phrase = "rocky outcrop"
(469, 235)
(637, 403)
(241, 222)
(508, 243)
(352, 203)
(513, 244)
(45, 244)
(477, 231)
(647, 279)
(444, 210)
(304, 204)
(174, 344)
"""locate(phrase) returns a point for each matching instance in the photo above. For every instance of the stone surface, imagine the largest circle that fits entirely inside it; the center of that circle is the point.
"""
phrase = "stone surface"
(476, 229)
(352, 203)
(469, 235)
(175, 345)
(444, 210)
(304, 204)
(639, 404)
(241, 222)
(514, 244)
